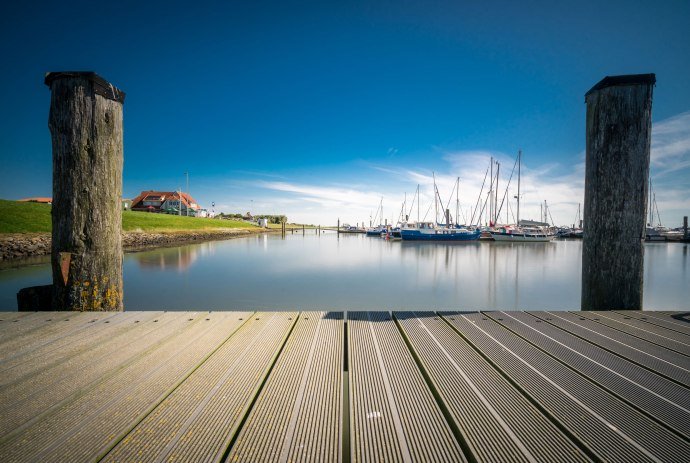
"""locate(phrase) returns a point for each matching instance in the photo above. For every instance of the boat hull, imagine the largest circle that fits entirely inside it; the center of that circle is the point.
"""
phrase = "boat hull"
(522, 237)
(439, 235)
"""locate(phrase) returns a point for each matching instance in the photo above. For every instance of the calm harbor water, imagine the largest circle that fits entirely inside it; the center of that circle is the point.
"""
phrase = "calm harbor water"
(353, 272)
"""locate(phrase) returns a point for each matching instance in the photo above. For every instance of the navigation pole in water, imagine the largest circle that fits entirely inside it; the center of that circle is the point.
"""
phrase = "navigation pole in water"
(86, 126)
(619, 127)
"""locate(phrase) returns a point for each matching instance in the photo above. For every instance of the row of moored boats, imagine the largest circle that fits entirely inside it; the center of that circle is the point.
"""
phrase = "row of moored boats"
(430, 231)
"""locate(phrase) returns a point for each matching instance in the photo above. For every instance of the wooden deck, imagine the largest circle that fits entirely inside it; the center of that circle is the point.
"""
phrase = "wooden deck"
(334, 387)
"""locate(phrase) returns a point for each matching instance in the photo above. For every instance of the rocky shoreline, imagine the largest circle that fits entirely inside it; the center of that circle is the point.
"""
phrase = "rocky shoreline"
(17, 246)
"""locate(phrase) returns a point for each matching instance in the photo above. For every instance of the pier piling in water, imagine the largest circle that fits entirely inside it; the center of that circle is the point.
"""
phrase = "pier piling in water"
(619, 111)
(86, 127)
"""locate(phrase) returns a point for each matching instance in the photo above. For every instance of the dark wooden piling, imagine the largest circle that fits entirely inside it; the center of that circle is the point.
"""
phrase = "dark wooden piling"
(86, 126)
(685, 227)
(619, 111)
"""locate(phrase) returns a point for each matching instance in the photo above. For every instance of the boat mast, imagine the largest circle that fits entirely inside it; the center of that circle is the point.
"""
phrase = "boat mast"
(491, 193)
(457, 201)
(418, 200)
(518, 195)
(435, 199)
(403, 217)
(498, 169)
(651, 206)
(658, 216)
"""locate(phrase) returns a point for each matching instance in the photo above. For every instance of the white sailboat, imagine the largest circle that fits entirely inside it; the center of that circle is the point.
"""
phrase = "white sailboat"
(532, 232)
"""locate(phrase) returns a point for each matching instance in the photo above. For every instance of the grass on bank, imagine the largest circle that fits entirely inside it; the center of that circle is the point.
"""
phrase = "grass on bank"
(20, 217)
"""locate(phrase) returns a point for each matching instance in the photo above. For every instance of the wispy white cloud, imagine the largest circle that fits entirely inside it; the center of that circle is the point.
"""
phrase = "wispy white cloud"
(326, 203)
(319, 201)
(671, 145)
(539, 183)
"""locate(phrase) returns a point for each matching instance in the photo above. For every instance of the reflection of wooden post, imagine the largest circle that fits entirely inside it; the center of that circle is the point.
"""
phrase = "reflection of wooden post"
(619, 124)
(86, 126)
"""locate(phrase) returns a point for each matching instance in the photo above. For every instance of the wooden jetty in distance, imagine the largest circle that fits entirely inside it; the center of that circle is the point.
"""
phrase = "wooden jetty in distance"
(345, 387)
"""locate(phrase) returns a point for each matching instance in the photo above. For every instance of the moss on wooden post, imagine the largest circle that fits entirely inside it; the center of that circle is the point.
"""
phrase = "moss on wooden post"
(619, 111)
(86, 127)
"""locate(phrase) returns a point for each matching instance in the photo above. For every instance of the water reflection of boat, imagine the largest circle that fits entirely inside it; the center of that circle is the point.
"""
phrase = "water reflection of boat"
(427, 231)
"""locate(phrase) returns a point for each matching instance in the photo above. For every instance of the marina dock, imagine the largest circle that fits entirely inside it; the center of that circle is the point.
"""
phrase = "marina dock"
(345, 387)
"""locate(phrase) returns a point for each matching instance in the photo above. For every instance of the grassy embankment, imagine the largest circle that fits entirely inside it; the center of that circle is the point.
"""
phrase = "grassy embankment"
(16, 217)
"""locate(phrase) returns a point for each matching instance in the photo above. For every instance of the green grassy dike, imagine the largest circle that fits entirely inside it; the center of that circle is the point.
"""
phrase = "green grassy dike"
(16, 217)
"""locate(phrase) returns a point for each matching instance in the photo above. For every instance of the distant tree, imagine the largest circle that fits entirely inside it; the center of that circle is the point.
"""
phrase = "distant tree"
(275, 219)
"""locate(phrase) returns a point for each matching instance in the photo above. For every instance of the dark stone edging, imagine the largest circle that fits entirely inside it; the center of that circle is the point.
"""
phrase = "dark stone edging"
(17, 246)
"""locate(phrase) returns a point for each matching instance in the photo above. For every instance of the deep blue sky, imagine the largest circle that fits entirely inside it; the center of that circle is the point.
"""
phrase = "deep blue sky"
(317, 109)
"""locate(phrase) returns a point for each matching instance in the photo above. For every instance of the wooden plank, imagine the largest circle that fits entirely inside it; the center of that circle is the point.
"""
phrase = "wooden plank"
(659, 319)
(305, 382)
(315, 435)
(47, 352)
(394, 416)
(662, 399)
(197, 421)
(623, 334)
(92, 422)
(6, 316)
(17, 321)
(662, 361)
(598, 421)
(641, 329)
(34, 394)
(45, 325)
(495, 421)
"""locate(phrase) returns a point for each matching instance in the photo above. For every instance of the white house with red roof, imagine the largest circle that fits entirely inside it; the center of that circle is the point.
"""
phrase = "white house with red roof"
(166, 202)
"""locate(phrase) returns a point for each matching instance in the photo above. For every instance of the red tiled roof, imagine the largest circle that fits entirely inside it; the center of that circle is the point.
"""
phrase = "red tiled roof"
(162, 196)
(36, 200)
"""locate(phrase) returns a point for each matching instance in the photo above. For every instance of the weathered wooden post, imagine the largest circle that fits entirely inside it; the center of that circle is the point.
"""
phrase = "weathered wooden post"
(685, 227)
(86, 126)
(619, 123)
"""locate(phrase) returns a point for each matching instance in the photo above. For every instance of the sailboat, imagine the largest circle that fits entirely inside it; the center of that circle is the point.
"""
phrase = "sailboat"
(530, 232)
(434, 231)
(377, 230)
